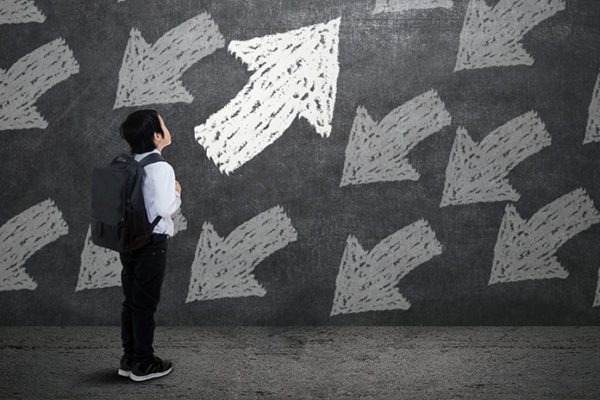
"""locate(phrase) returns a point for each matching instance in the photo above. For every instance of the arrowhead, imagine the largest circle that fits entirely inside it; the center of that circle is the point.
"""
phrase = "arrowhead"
(492, 36)
(515, 258)
(465, 179)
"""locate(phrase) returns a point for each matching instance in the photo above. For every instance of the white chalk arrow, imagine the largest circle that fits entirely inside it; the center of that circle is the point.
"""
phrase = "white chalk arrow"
(592, 133)
(19, 12)
(382, 6)
(152, 74)
(223, 267)
(101, 267)
(366, 281)
(478, 172)
(526, 249)
(29, 78)
(22, 236)
(378, 152)
(491, 37)
(597, 297)
(295, 75)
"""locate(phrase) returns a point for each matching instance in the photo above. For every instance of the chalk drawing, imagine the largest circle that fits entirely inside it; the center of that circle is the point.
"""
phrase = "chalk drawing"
(478, 172)
(30, 77)
(378, 152)
(22, 236)
(101, 267)
(295, 75)
(223, 267)
(152, 74)
(491, 36)
(19, 12)
(526, 249)
(382, 6)
(592, 133)
(366, 281)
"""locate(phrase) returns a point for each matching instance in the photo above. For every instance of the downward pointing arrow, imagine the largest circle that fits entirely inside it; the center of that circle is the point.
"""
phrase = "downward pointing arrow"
(22, 236)
(296, 74)
(478, 172)
(223, 267)
(378, 152)
(19, 12)
(492, 36)
(525, 249)
(382, 6)
(592, 133)
(30, 77)
(152, 74)
(366, 281)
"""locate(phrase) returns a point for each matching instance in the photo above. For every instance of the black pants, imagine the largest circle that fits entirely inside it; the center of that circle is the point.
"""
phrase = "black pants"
(142, 277)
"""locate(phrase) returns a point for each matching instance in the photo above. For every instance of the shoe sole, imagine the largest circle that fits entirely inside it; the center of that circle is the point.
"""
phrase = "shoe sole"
(149, 376)
(124, 373)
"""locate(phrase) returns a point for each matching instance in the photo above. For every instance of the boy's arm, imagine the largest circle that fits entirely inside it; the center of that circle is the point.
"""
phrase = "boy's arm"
(167, 199)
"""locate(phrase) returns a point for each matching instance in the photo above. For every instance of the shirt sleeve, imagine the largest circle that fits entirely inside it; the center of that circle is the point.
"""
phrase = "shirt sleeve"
(167, 199)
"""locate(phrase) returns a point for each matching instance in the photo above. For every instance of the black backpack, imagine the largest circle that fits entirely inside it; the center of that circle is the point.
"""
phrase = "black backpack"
(119, 218)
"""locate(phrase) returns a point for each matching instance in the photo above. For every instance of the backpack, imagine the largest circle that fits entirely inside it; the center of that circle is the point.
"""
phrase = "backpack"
(119, 219)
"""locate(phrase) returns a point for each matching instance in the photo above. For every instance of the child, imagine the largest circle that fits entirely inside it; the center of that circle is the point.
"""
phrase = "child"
(143, 270)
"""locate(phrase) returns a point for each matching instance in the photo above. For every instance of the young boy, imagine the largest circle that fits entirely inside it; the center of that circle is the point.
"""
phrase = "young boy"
(143, 270)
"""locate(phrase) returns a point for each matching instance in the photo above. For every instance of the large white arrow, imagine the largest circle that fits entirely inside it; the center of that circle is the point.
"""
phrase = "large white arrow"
(592, 133)
(19, 12)
(526, 249)
(296, 75)
(30, 77)
(366, 281)
(378, 152)
(479, 172)
(382, 6)
(22, 236)
(492, 36)
(152, 74)
(101, 267)
(223, 267)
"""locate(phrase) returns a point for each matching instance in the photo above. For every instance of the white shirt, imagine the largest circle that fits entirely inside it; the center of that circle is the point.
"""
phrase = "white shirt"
(160, 196)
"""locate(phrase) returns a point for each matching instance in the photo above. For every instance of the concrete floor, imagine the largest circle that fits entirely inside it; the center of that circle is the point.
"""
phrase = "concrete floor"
(308, 363)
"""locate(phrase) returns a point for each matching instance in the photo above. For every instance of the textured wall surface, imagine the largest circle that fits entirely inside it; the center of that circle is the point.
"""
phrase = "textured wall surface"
(388, 162)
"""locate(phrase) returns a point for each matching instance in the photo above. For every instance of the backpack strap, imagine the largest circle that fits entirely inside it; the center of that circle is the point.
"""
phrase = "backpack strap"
(149, 159)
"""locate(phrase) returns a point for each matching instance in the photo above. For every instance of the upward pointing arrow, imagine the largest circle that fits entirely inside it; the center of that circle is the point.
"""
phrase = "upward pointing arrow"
(296, 74)
(152, 74)
(478, 172)
(19, 12)
(29, 78)
(525, 249)
(223, 267)
(492, 36)
(366, 281)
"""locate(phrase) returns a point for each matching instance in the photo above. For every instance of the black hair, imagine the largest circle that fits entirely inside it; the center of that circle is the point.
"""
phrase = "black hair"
(138, 130)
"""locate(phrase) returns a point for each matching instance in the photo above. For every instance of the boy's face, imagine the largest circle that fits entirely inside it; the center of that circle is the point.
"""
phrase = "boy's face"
(159, 141)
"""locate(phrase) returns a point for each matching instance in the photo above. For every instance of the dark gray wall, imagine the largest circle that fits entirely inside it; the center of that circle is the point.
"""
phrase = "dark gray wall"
(385, 60)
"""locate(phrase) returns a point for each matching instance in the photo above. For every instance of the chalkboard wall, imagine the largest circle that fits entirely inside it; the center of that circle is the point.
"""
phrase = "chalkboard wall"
(342, 162)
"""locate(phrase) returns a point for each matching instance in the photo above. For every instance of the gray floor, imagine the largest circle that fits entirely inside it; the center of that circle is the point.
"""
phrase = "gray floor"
(309, 363)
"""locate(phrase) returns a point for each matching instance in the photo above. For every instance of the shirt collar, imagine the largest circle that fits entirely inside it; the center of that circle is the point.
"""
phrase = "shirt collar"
(139, 156)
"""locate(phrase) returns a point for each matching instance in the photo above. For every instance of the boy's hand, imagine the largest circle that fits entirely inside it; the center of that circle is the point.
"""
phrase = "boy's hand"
(177, 187)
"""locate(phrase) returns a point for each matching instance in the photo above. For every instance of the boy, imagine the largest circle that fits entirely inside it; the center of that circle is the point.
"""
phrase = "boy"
(143, 270)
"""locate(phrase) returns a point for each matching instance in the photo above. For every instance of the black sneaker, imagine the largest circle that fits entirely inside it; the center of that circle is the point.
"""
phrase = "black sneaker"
(125, 366)
(153, 368)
